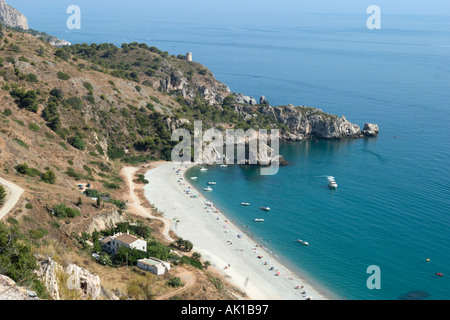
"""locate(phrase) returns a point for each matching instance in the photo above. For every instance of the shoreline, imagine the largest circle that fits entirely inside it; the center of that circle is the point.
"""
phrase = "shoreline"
(239, 259)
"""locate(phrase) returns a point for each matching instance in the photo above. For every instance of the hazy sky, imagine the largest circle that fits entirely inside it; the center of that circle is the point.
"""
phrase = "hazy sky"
(407, 7)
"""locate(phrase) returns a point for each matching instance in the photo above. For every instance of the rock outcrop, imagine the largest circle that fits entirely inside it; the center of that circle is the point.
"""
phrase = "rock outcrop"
(370, 130)
(305, 123)
(59, 280)
(9, 290)
(12, 17)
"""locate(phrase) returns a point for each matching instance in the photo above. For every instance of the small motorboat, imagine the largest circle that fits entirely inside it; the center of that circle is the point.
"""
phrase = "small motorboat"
(439, 274)
(193, 178)
(332, 183)
(223, 165)
(212, 183)
(259, 220)
(303, 242)
(203, 169)
(245, 204)
(266, 208)
(208, 189)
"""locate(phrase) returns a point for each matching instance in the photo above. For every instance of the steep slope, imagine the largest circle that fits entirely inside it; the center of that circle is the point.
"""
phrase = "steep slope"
(12, 17)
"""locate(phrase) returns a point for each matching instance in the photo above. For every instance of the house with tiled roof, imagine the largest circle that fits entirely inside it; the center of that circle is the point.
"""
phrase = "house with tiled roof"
(112, 243)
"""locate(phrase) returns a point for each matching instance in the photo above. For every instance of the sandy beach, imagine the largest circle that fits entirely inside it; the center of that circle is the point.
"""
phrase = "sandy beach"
(245, 265)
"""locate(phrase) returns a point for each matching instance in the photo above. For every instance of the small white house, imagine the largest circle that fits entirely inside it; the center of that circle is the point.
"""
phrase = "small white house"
(154, 265)
(113, 243)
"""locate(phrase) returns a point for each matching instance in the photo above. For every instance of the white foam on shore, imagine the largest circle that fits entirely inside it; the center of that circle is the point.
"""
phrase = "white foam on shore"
(216, 239)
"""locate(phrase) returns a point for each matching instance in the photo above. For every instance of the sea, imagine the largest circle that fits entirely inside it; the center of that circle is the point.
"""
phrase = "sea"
(391, 209)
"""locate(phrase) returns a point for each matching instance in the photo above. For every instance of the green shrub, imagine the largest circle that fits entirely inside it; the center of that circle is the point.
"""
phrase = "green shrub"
(76, 142)
(49, 176)
(25, 99)
(21, 143)
(32, 78)
(63, 76)
(88, 86)
(115, 152)
(29, 206)
(33, 127)
(62, 211)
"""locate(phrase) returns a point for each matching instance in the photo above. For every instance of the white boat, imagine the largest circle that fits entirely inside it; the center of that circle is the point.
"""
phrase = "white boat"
(332, 184)
(212, 183)
(303, 242)
(259, 220)
(245, 204)
(223, 165)
(193, 178)
(203, 169)
(265, 208)
(208, 189)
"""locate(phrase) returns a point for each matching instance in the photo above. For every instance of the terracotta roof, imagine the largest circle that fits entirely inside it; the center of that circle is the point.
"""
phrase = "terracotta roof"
(106, 240)
(127, 238)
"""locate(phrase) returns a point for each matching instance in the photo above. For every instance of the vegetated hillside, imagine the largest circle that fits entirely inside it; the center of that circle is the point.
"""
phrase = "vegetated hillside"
(77, 114)
(64, 123)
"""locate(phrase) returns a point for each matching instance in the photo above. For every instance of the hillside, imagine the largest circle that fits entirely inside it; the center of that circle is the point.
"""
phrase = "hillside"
(78, 114)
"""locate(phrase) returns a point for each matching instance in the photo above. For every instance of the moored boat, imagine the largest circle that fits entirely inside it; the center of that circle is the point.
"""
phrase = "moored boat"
(303, 242)
(259, 220)
(212, 183)
(208, 189)
(245, 204)
(265, 208)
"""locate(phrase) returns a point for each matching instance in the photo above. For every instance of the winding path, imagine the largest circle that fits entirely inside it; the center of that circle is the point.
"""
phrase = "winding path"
(135, 203)
(14, 193)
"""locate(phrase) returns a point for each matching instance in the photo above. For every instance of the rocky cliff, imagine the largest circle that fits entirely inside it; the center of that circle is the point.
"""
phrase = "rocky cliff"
(12, 17)
(70, 282)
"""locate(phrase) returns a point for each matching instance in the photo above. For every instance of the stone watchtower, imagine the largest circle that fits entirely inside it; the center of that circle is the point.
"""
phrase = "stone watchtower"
(189, 56)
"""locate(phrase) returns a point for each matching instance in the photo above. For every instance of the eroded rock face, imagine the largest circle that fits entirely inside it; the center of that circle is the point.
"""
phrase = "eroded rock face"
(370, 130)
(72, 277)
(9, 290)
(12, 17)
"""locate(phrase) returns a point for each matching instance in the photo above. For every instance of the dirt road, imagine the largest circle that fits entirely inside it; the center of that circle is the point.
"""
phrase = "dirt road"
(14, 193)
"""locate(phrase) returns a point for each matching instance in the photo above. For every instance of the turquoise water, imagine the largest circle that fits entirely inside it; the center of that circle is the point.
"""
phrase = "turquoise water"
(392, 206)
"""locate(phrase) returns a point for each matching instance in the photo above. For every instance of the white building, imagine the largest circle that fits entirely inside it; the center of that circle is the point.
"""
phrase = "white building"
(113, 243)
(154, 265)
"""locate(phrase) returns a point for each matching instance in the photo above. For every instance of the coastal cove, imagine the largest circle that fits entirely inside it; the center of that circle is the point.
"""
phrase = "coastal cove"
(215, 237)
(348, 229)
(391, 208)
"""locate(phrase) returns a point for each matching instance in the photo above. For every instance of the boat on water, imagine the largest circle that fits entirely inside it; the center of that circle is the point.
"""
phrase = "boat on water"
(212, 183)
(259, 220)
(265, 208)
(245, 204)
(203, 169)
(193, 178)
(332, 183)
(303, 242)
(439, 274)
(208, 189)
(223, 166)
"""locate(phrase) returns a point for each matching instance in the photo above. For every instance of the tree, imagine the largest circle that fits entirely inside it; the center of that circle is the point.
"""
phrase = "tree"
(97, 246)
(2, 195)
(49, 176)
(79, 202)
(99, 201)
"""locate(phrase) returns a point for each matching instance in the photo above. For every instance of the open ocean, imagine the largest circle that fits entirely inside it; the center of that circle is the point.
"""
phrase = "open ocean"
(392, 206)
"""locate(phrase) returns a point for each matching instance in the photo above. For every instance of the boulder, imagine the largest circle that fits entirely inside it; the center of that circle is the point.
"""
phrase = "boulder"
(370, 130)
(263, 100)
